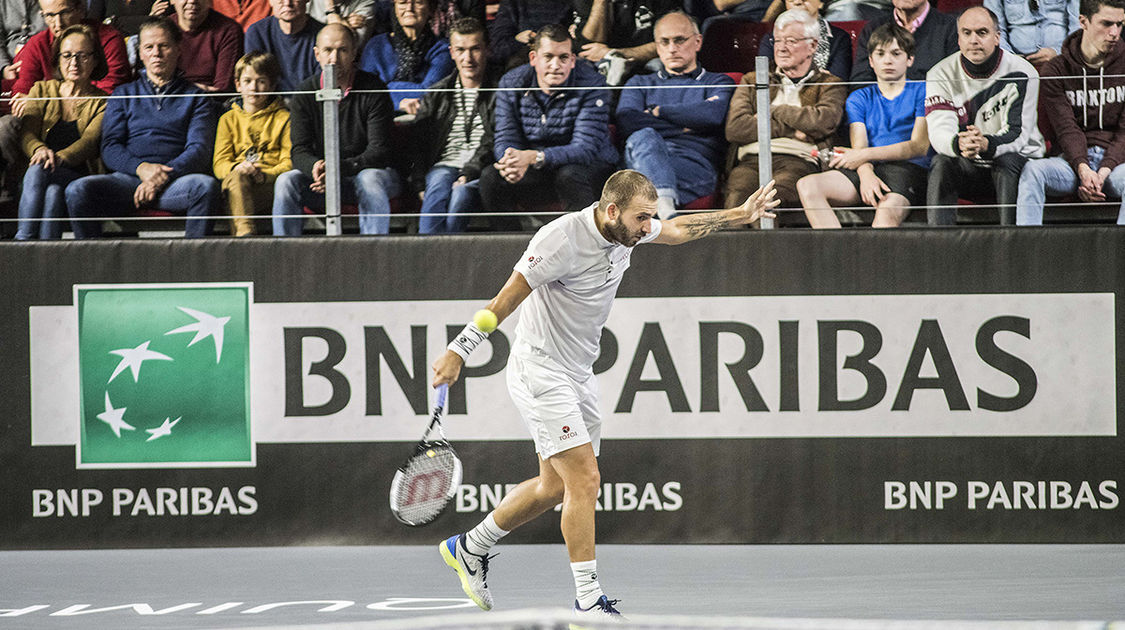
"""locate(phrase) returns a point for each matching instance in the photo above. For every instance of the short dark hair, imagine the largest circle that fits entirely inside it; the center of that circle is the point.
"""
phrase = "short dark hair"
(101, 68)
(1090, 7)
(553, 32)
(891, 32)
(469, 26)
(263, 63)
(623, 187)
(159, 21)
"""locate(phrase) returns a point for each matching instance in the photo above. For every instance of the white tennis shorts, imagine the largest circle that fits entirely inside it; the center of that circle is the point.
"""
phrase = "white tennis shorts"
(560, 412)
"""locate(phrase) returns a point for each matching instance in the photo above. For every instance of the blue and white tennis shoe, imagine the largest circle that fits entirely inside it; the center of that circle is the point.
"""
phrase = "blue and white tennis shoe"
(471, 568)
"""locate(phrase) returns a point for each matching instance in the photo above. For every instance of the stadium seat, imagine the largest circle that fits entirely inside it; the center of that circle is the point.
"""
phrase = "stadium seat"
(956, 7)
(731, 45)
(853, 28)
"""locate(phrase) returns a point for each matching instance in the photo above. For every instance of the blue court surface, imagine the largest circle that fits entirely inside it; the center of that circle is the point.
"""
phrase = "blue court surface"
(812, 586)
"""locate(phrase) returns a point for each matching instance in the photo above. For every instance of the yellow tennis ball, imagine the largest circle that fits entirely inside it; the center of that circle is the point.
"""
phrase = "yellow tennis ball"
(485, 320)
(430, 453)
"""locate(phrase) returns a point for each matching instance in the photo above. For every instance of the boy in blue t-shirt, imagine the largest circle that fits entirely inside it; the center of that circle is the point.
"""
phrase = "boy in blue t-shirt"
(886, 166)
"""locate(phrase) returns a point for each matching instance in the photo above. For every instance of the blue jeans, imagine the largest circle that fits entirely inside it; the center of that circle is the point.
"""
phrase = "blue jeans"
(447, 202)
(44, 196)
(1054, 176)
(670, 169)
(95, 196)
(371, 188)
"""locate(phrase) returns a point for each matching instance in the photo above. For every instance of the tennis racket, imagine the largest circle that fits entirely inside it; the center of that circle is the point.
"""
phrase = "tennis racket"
(426, 482)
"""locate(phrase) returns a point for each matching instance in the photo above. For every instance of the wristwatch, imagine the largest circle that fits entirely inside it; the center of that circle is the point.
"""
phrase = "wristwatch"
(540, 157)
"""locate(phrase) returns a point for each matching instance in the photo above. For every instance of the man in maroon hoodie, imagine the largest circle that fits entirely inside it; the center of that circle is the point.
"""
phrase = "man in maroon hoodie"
(1086, 110)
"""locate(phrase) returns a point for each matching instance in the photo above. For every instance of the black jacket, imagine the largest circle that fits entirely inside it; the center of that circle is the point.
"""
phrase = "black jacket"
(365, 126)
(434, 123)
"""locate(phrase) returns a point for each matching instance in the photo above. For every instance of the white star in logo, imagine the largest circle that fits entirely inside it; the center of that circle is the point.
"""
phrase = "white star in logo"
(205, 326)
(115, 418)
(162, 430)
(133, 357)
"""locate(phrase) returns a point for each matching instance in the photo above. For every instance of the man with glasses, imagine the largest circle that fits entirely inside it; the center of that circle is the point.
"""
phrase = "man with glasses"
(290, 34)
(35, 62)
(675, 136)
(806, 105)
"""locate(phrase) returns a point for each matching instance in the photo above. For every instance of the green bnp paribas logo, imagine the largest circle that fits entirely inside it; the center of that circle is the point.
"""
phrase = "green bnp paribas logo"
(165, 375)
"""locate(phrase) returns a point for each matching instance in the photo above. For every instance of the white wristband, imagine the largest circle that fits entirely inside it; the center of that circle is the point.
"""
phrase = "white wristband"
(467, 340)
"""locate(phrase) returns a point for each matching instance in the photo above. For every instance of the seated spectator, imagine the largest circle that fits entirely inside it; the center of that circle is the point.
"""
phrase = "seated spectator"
(1032, 30)
(245, 12)
(445, 12)
(252, 146)
(886, 166)
(982, 121)
(355, 14)
(515, 25)
(35, 62)
(1088, 127)
(410, 58)
(935, 38)
(838, 10)
(617, 34)
(159, 147)
(61, 137)
(806, 105)
(365, 149)
(211, 46)
(290, 35)
(548, 139)
(675, 136)
(454, 133)
(833, 49)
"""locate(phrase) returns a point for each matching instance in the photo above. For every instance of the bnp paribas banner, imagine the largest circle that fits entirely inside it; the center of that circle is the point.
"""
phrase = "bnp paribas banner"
(196, 375)
(190, 413)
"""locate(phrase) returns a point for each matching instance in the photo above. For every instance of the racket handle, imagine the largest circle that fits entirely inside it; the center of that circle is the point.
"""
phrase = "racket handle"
(442, 390)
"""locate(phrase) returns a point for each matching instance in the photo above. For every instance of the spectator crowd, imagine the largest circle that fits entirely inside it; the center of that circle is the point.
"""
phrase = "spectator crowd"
(117, 108)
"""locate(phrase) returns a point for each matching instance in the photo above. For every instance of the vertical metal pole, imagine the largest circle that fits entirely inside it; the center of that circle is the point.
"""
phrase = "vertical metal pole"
(765, 157)
(331, 103)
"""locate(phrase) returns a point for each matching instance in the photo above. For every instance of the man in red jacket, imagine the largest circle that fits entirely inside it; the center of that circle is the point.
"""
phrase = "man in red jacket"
(1082, 94)
(34, 63)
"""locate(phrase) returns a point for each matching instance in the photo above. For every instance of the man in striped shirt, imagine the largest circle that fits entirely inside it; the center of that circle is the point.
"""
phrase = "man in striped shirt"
(453, 133)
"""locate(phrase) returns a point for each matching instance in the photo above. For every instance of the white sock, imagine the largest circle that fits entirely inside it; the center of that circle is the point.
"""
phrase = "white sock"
(665, 204)
(480, 539)
(586, 586)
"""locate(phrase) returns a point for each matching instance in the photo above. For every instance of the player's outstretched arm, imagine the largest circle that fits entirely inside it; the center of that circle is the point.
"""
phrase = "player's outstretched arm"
(448, 366)
(688, 227)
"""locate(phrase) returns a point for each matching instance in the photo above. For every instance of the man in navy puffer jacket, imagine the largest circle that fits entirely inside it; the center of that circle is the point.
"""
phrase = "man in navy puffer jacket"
(548, 138)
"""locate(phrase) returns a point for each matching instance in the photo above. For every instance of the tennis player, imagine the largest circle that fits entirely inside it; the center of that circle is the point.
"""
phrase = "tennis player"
(567, 280)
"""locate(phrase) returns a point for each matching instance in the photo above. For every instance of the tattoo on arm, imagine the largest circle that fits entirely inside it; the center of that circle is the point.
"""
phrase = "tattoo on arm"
(700, 225)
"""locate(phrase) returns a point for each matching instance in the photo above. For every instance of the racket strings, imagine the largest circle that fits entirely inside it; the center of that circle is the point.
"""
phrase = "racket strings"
(426, 484)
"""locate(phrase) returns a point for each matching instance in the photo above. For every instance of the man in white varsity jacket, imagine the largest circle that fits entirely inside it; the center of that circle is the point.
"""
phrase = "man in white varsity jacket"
(982, 120)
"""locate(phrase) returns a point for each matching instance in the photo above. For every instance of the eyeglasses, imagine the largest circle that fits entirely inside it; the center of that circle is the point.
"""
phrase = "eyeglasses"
(55, 15)
(789, 42)
(80, 56)
(664, 42)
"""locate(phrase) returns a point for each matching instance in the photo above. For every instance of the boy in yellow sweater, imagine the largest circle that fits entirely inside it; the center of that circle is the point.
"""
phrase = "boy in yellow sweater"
(252, 145)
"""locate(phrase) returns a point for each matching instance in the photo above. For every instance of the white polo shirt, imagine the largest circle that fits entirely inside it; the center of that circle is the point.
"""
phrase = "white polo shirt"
(574, 273)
